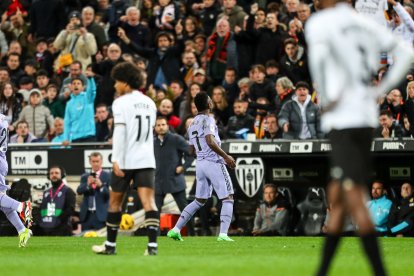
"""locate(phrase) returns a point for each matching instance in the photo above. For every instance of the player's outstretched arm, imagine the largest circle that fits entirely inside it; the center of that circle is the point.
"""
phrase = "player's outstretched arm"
(213, 145)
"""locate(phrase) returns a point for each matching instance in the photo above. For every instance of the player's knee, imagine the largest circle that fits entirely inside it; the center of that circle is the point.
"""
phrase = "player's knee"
(201, 201)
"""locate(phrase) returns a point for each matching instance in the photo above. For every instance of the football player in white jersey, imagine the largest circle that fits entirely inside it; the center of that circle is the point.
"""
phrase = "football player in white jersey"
(132, 155)
(344, 48)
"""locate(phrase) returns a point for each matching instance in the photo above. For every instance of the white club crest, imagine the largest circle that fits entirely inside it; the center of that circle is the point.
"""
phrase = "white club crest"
(249, 174)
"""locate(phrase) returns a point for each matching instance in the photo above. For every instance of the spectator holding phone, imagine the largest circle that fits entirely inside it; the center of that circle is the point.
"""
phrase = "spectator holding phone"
(75, 43)
(94, 187)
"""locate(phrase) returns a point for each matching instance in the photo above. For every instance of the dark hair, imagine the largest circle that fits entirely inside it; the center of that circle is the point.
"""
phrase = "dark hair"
(42, 72)
(101, 105)
(9, 102)
(180, 83)
(22, 122)
(161, 34)
(13, 54)
(230, 68)
(77, 78)
(272, 63)
(386, 112)
(61, 169)
(128, 73)
(290, 41)
(77, 62)
(201, 101)
(162, 118)
(271, 115)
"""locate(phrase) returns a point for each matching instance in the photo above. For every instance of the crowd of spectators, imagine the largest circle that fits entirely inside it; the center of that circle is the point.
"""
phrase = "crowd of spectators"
(251, 57)
(56, 58)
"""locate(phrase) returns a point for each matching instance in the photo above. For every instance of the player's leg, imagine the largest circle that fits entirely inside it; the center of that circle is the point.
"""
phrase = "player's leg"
(335, 225)
(24, 233)
(152, 218)
(203, 192)
(23, 208)
(224, 190)
(356, 194)
(144, 180)
(119, 185)
(159, 201)
(356, 201)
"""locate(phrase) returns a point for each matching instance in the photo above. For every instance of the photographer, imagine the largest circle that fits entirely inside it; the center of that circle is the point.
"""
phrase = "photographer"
(95, 190)
(75, 43)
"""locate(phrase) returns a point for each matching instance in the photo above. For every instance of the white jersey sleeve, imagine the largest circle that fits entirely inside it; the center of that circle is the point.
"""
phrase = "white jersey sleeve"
(118, 147)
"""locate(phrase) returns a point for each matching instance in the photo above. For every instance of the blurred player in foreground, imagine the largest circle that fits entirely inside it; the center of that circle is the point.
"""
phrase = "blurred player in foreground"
(344, 53)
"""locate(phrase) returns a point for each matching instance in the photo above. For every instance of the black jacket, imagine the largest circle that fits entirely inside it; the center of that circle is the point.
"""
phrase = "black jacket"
(170, 62)
(168, 155)
(47, 18)
(237, 123)
(269, 45)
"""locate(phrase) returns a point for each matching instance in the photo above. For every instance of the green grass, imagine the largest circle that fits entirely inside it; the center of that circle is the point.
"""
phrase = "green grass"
(196, 256)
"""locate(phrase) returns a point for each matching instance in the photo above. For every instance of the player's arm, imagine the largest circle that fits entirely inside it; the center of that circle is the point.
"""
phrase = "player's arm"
(213, 145)
(404, 57)
(118, 147)
(191, 150)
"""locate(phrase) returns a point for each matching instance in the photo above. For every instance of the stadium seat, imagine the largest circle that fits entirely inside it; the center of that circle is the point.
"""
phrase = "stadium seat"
(287, 194)
(313, 212)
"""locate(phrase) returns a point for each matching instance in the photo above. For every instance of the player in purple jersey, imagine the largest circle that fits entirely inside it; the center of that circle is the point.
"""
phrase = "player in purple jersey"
(211, 172)
(8, 205)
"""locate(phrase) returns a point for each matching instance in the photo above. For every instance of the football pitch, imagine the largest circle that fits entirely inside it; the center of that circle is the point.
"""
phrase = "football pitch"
(196, 256)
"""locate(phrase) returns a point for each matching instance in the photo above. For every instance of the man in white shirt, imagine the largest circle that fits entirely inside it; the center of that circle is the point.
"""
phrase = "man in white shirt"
(344, 49)
(132, 155)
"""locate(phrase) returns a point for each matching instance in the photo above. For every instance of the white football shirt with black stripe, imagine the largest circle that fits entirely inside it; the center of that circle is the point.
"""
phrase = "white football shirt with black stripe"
(134, 114)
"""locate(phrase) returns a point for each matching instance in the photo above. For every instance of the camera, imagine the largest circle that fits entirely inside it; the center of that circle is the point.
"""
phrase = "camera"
(93, 175)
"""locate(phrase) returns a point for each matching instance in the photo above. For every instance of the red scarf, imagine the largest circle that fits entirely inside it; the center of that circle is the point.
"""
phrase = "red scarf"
(212, 48)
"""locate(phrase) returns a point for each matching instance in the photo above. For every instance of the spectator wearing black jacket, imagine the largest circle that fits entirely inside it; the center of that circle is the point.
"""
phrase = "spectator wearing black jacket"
(261, 87)
(163, 61)
(88, 21)
(138, 33)
(401, 218)
(209, 11)
(294, 63)
(239, 120)
(272, 35)
(105, 89)
(389, 127)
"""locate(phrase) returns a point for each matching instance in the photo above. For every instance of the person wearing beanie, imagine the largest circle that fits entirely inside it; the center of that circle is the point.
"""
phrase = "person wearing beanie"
(76, 41)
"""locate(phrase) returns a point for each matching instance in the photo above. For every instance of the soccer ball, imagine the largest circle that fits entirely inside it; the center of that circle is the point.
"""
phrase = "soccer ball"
(127, 222)
(90, 234)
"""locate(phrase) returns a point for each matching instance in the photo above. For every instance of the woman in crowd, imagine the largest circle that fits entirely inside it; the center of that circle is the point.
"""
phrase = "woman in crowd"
(10, 103)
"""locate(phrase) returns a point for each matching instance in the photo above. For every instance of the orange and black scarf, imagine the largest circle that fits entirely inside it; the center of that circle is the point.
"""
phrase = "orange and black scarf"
(212, 47)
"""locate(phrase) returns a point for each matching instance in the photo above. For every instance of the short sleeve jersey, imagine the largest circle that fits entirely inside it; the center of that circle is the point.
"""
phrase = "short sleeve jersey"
(138, 113)
(202, 126)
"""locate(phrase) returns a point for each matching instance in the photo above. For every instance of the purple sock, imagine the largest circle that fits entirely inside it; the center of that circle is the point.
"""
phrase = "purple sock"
(187, 214)
(8, 202)
(13, 218)
(225, 215)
